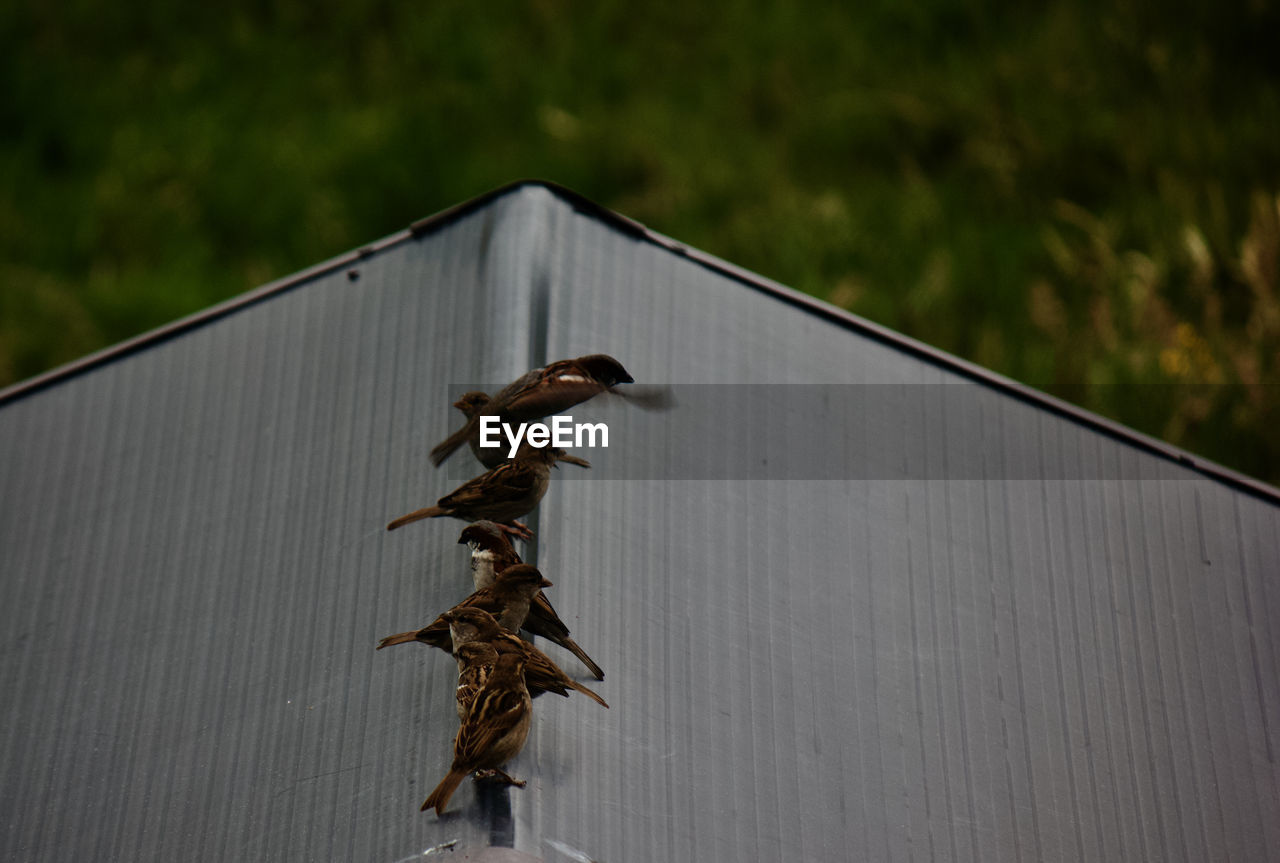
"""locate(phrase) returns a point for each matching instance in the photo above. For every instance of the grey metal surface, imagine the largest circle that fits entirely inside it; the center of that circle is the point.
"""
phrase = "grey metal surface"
(1002, 666)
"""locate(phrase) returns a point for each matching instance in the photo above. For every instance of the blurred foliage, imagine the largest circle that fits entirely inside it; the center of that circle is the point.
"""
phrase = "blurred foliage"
(1082, 196)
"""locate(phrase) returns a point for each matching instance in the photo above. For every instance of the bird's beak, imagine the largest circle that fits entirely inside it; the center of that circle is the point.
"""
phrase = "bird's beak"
(573, 459)
(546, 583)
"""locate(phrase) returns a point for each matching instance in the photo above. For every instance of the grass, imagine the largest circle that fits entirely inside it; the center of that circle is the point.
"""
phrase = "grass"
(1083, 197)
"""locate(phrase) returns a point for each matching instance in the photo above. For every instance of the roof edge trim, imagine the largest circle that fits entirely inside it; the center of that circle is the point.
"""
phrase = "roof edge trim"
(586, 206)
(919, 349)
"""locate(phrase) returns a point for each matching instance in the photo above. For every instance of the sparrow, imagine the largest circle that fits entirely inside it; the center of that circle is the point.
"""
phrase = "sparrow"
(503, 494)
(476, 660)
(507, 600)
(493, 732)
(492, 552)
(533, 396)
(515, 599)
(540, 674)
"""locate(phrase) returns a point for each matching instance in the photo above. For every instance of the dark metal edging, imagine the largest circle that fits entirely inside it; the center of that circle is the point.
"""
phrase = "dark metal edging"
(430, 224)
(252, 297)
(930, 354)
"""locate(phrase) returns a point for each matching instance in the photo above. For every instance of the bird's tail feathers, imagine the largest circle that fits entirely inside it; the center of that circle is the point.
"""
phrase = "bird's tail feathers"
(418, 515)
(399, 638)
(587, 692)
(440, 797)
(443, 450)
(573, 647)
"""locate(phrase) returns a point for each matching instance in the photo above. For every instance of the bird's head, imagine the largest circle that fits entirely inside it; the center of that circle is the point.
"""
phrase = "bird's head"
(476, 653)
(605, 369)
(476, 620)
(545, 454)
(572, 459)
(484, 536)
(548, 455)
(472, 403)
(522, 575)
(510, 662)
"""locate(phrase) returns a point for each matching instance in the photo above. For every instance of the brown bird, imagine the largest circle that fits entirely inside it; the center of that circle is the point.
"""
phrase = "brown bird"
(492, 552)
(536, 394)
(540, 674)
(516, 600)
(510, 490)
(475, 663)
(507, 600)
(493, 732)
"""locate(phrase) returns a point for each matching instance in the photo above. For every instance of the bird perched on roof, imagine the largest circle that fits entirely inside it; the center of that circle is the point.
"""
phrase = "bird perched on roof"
(507, 600)
(503, 494)
(476, 660)
(515, 599)
(492, 552)
(535, 395)
(493, 732)
(541, 674)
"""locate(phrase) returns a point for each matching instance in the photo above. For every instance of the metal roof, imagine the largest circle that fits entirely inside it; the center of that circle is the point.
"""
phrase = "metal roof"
(1002, 629)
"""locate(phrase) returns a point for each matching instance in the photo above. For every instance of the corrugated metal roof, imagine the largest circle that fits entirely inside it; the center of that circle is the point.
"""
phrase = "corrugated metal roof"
(947, 652)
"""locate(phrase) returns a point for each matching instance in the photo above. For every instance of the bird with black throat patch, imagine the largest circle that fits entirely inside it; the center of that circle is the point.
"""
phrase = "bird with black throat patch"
(492, 552)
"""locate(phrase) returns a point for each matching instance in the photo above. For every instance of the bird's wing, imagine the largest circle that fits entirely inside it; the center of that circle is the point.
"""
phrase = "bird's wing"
(446, 448)
(510, 481)
(495, 711)
(560, 386)
(482, 599)
(543, 616)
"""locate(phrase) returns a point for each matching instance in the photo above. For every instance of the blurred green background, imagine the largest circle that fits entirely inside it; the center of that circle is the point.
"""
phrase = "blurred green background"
(1084, 196)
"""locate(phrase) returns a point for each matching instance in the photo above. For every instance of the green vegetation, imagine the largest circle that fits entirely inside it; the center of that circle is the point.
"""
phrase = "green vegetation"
(1085, 197)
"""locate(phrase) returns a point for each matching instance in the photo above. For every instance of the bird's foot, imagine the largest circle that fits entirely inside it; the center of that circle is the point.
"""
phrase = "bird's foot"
(496, 775)
(518, 529)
